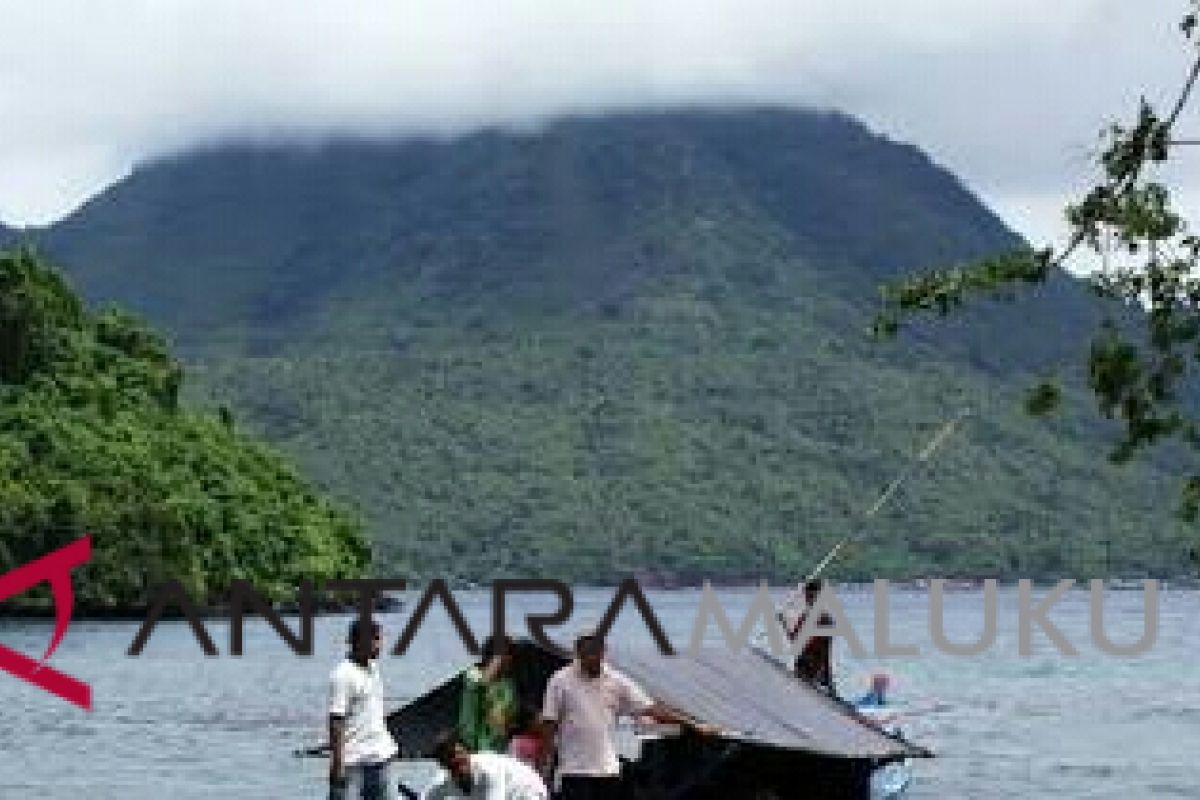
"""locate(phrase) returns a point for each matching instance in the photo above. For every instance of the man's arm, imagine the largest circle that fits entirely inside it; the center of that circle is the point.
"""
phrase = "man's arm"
(635, 701)
(666, 715)
(549, 729)
(792, 630)
(339, 706)
(337, 748)
(550, 716)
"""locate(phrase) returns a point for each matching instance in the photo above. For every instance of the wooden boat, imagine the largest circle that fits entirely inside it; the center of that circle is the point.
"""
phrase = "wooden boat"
(781, 738)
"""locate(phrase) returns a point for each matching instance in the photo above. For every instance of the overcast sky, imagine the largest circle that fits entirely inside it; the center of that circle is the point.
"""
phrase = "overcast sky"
(1009, 94)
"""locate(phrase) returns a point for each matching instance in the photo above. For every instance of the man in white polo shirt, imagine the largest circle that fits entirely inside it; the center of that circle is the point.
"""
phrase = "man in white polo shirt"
(359, 741)
(582, 703)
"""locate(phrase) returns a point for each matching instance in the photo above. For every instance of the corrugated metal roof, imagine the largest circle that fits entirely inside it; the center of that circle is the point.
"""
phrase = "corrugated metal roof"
(749, 697)
(758, 702)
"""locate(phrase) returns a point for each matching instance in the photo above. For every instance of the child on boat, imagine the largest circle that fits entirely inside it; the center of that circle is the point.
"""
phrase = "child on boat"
(527, 744)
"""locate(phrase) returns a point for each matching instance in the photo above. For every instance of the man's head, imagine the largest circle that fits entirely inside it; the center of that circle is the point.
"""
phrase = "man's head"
(497, 647)
(364, 642)
(589, 650)
(454, 757)
(812, 590)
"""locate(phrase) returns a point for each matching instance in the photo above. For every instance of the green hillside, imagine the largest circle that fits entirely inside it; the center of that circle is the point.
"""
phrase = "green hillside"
(92, 440)
(621, 343)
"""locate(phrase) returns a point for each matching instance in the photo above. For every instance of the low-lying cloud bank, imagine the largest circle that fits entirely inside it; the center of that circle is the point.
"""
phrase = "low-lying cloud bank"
(1008, 93)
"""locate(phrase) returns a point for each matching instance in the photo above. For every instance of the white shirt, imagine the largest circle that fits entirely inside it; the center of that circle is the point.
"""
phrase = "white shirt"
(586, 710)
(493, 777)
(356, 694)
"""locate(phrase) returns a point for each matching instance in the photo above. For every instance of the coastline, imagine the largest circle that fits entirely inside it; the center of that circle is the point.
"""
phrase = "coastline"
(385, 604)
(395, 604)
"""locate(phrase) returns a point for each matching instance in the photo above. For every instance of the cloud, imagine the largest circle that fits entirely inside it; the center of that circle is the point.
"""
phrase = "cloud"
(1008, 93)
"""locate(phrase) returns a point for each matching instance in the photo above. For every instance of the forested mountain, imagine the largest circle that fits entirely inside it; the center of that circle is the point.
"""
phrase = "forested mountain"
(635, 341)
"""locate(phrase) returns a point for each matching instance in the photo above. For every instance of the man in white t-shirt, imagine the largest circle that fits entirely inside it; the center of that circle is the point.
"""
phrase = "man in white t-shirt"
(582, 703)
(359, 741)
(481, 776)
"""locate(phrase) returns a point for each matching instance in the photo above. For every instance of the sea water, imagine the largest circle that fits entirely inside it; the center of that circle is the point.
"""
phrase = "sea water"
(175, 724)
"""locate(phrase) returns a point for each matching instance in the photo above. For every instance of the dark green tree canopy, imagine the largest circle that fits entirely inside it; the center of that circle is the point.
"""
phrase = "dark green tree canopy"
(92, 439)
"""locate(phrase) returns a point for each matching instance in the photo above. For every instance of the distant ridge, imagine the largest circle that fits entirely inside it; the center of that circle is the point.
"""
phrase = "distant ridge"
(625, 341)
(505, 210)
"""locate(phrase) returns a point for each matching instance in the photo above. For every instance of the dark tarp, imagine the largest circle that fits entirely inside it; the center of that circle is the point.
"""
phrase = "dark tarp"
(745, 694)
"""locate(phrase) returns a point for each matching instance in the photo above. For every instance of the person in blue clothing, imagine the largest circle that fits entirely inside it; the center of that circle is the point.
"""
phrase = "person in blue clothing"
(889, 778)
(878, 696)
(875, 704)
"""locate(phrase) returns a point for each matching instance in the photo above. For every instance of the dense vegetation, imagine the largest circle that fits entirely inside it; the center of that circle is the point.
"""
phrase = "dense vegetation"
(1145, 255)
(92, 439)
(693, 439)
(623, 343)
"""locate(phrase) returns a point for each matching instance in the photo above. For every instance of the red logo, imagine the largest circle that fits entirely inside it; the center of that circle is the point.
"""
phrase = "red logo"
(55, 569)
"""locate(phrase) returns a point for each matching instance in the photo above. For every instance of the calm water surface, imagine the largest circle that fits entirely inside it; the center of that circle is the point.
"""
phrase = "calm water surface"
(174, 724)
